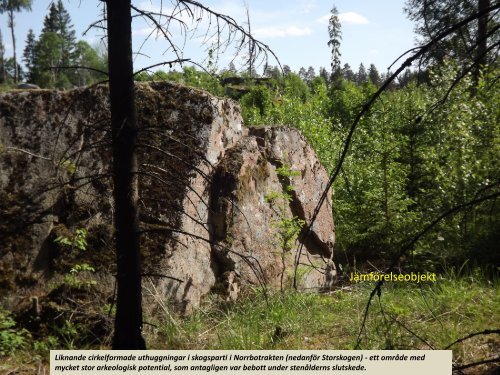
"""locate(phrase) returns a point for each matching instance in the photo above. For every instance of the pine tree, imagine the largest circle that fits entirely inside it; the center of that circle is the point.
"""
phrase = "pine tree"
(335, 34)
(29, 56)
(11, 6)
(374, 75)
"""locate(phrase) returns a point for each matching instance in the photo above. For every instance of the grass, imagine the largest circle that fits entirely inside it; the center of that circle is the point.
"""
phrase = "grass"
(405, 317)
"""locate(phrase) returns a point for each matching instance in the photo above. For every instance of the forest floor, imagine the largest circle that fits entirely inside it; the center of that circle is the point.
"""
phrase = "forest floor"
(431, 315)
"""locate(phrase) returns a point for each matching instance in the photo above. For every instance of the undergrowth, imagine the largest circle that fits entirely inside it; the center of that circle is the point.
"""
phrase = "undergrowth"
(406, 316)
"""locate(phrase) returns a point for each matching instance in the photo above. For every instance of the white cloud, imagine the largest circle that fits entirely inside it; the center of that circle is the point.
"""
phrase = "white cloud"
(352, 18)
(324, 20)
(281, 32)
(306, 6)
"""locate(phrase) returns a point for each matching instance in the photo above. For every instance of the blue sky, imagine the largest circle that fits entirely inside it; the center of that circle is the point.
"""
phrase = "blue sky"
(296, 30)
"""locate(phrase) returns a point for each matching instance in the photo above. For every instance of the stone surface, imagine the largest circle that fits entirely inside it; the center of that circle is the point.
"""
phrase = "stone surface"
(205, 179)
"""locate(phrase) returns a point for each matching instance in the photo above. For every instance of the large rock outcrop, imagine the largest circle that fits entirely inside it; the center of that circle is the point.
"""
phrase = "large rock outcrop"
(207, 219)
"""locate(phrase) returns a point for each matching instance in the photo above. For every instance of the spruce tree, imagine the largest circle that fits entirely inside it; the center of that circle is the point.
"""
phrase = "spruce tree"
(49, 22)
(335, 36)
(29, 56)
(57, 33)
(374, 75)
(361, 75)
(67, 33)
(347, 73)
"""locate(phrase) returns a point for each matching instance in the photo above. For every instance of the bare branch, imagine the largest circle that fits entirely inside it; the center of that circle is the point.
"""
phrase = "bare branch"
(474, 364)
(169, 63)
(75, 67)
(485, 332)
(9, 148)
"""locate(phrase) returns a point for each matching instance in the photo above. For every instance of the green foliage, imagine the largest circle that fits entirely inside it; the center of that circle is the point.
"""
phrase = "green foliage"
(85, 56)
(411, 159)
(78, 276)
(77, 241)
(68, 165)
(11, 338)
(67, 334)
(374, 75)
(189, 77)
(45, 345)
(288, 226)
(48, 54)
(58, 22)
(57, 59)
(14, 5)
(259, 99)
(433, 16)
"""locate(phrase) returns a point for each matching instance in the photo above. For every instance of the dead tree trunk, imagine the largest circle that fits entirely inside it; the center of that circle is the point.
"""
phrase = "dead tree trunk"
(128, 320)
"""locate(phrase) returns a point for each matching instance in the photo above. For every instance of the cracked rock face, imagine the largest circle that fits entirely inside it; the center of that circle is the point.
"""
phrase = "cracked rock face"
(206, 218)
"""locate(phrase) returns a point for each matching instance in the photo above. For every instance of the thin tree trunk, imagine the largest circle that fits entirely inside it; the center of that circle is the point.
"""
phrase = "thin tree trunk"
(128, 320)
(3, 78)
(11, 24)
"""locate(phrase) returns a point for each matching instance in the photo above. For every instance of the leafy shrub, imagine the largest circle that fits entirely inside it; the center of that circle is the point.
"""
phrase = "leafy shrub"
(11, 338)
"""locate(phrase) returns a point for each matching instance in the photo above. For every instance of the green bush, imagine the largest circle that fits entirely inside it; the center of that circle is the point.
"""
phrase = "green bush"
(11, 338)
